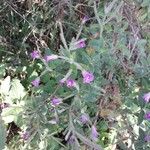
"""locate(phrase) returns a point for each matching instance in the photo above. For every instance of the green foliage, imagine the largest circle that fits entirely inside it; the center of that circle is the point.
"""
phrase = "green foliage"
(2, 134)
(116, 52)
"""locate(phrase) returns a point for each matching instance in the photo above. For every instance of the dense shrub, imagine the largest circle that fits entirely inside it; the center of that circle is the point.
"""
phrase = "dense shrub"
(74, 75)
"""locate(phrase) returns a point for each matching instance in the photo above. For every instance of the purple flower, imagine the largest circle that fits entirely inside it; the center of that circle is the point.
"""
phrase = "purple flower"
(4, 105)
(25, 135)
(84, 118)
(146, 97)
(147, 138)
(71, 139)
(36, 82)
(50, 57)
(35, 54)
(147, 116)
(88, 77)
(70, 83)
(56, 101)
(94, 133)
(80, 43)
(85, 19)
(62, 81)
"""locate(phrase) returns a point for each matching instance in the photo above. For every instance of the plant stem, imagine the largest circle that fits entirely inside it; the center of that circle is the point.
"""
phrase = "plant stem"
(98, 19)
(62, 37)
(71, 61)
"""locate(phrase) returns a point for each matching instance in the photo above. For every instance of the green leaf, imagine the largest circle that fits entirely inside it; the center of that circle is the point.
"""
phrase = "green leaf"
(97, 44)
(45, 78)
(103, 126)
(10, 114)
(32, 74)
(73, 44)
(2, 70)
(17, 91)
(48, 51)
(85, 58)
(122, 145)
(91, 94)
(49, 86)
(142, 43)
(5, 86)
(94, 28)
(140, 117)
(2, 134)
(140, 141)
(55, 63)
(141, 102)
(145, 3)
(63, 52)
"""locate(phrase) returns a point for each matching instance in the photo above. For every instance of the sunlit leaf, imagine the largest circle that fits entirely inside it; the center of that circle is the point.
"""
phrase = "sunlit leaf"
(17, 91)
(5, 86)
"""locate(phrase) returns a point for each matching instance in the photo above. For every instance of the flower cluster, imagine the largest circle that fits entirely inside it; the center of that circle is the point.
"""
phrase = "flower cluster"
(36, 54)
(88, 77)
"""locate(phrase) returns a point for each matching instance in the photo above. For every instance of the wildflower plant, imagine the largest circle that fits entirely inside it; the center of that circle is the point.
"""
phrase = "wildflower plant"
(72, 80)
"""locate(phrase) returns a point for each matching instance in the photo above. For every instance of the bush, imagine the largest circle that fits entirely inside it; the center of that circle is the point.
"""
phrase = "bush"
(74, 75)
